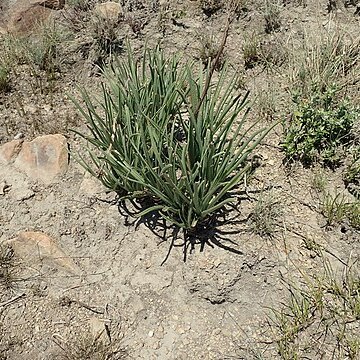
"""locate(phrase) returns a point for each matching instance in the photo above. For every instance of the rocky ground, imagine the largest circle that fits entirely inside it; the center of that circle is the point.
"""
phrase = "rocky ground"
(81, 278)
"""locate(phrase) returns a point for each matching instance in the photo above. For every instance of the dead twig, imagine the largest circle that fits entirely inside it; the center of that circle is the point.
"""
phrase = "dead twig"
(15, 298)
(215, 62)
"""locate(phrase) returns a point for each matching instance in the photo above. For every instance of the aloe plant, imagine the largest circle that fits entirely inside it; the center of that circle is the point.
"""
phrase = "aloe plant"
(163, 133)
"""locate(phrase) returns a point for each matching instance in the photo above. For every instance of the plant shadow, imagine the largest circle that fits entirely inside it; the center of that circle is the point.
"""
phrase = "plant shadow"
(215, 231)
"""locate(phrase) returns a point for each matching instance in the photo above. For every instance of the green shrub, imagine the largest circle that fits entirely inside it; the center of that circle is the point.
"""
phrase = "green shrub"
(320, 126)
(165, 134)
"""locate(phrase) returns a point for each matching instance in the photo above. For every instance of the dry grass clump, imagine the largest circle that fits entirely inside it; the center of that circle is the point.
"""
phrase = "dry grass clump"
(272, 15)
(39, 55)
(8, 268)
(321, 318)
(334, 59)
(266, 216)
(85, 346)
(4, 78)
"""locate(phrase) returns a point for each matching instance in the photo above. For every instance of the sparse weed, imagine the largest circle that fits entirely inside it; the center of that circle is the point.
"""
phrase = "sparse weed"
(319, 181)
(272, 16)
(266, 104)
(210, 7)
(106, 40)
(86, 346)
(266, 215)
(40, 53)
(273, 53)
(334, 208)
(320, 318)
(209, 49)
(321, 64)
(44, 54)
(77, 14)
(165, 136)
(8, 276)
(295, 2)
(311, 245)
(320, 127)
(267, 54)
(251, 51)
(4, 78)
(352, 175)
(83, 5)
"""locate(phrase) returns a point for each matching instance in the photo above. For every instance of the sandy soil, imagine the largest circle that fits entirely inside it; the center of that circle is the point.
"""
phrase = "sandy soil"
(151, 302)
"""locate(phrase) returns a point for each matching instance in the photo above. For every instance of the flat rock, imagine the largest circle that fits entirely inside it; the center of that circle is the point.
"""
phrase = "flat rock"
(9, 151)
(23, 21)
(3, 30)
(98, 329)
(24, 16)
(44, 158)
(35, 247)
(91, 186)
(109, 10)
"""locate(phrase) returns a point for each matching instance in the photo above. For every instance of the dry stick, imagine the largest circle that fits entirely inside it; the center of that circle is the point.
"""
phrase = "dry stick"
(214, 64)
(15, 298)
(82, 304)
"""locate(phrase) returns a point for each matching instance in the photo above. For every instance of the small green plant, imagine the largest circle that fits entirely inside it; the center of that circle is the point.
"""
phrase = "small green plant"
(272, 16)
(334, 208)
(353, 214)
(170, 136)
(320, 127)
(337, 209)
(266, 215)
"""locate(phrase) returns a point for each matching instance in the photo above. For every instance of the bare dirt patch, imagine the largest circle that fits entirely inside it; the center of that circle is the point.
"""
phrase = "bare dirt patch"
(123, 300)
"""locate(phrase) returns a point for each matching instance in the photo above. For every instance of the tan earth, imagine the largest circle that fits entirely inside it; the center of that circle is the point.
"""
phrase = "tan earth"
(90, 274)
